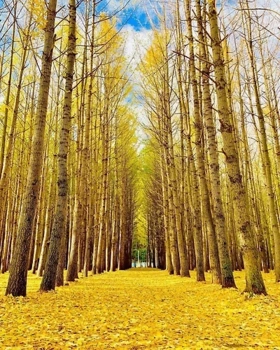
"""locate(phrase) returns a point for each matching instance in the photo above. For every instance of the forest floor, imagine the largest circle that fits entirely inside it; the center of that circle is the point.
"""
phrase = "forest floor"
(140, 309)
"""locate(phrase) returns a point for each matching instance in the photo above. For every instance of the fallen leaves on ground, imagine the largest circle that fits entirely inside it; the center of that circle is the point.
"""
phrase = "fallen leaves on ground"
(140, 309)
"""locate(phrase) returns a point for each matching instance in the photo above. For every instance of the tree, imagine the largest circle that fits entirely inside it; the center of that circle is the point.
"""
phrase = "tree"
(218, 212)
(264, 147)
(254, 280)
(19, 264)
(60, 216)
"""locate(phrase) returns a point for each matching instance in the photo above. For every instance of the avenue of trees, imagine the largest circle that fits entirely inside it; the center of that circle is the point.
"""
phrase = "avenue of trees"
(77, 191)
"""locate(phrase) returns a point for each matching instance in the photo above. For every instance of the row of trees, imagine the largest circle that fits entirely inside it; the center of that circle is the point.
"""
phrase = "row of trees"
(68, 144)
(210, 86)
(71, 187)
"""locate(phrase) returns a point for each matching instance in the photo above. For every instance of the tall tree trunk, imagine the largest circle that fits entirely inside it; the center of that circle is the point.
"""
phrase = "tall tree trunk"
(59, 225)
(275, 227)
(198, 140)
(8, 95)
(18, 271)
(227, 279)
(254, 280)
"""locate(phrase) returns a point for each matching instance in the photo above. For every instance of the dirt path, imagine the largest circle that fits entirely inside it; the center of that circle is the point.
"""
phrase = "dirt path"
(140, 309)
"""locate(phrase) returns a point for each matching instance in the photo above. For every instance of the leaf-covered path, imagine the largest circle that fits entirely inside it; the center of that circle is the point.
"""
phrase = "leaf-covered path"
(140, 309)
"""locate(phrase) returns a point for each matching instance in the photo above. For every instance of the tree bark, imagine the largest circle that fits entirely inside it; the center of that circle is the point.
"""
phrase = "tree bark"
(18, 271)
(254, 280)
(59, 225)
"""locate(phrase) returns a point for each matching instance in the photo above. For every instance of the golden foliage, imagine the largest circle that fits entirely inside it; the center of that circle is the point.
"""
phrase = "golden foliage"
(38, 10)
(140, 309)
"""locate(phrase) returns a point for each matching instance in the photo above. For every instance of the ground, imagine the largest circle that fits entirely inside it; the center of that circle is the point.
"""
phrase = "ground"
(140, 309)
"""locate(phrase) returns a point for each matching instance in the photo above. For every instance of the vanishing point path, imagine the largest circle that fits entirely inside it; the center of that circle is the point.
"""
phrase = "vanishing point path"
(140, 309)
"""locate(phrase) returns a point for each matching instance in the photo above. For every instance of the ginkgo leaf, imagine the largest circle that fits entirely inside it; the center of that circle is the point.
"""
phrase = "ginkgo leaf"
(125, 310)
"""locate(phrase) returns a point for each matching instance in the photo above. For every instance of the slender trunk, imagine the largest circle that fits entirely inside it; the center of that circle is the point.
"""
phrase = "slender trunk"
(18, 270)
(59, 225)
(227, 279)
(254, 280)
(275, 228)
(8, 95)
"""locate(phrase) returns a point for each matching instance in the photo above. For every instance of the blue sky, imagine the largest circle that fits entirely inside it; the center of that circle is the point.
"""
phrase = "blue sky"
(138, 21)
(136, 13)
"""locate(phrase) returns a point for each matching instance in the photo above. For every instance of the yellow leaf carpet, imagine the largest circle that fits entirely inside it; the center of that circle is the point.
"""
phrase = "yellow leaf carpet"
(140, 309)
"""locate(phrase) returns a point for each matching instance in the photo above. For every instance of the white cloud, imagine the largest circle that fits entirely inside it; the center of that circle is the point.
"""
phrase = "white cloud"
(136, 43)
(115, 5)
(138, 5)
(147, 12)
